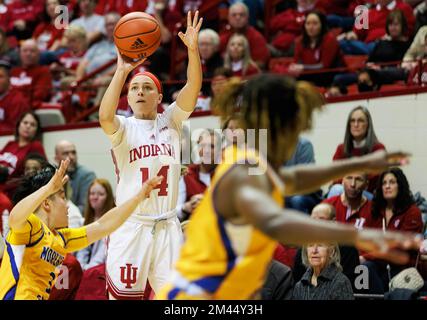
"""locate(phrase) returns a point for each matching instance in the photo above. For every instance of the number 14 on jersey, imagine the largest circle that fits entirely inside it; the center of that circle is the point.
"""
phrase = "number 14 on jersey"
(163, 186)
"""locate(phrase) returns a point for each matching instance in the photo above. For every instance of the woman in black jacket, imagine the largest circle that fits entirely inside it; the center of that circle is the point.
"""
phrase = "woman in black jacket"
(323, 279)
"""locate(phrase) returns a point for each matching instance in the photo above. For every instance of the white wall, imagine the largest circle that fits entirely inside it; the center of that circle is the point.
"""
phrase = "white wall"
(400, 123)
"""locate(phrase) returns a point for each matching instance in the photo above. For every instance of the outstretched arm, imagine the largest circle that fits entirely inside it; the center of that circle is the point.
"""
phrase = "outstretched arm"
(308, 178)
(292, 227)
(287, 226)
(249, 202)
(187, 97)
(107, 110)
(24, 208)
(115, 217)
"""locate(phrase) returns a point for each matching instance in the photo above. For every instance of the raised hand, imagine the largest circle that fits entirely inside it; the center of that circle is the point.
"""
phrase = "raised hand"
(191, 36)
(59, 178)
(390, 246)
(127, 64)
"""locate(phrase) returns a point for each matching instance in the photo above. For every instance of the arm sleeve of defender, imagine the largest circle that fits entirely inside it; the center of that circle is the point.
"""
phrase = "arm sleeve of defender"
(29, 234)
(74, 239)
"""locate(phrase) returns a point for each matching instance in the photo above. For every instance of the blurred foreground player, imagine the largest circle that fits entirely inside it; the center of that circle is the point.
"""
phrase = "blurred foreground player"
(231, 236)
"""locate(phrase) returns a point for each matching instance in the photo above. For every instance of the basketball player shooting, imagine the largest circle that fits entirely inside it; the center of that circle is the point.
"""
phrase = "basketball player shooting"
(144, 146)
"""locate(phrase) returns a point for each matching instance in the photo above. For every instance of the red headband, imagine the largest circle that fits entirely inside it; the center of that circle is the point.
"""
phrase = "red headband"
(152, 77)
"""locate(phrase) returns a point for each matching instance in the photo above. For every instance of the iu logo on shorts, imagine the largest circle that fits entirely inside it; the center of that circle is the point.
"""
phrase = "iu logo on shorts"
(128, 275)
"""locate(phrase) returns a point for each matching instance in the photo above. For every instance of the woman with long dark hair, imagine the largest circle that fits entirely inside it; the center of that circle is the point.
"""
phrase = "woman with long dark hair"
(394, 203)
(47, 35)
(27, 140)
(359, 139)
(395, 44)
(316, 49)
(393, 208)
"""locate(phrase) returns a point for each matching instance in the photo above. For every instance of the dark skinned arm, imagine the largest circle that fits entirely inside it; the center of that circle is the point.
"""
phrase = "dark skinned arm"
(250, 203)
(304, 179)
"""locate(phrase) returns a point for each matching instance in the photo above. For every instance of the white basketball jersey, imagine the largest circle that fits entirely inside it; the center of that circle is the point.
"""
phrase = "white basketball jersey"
(143, 149)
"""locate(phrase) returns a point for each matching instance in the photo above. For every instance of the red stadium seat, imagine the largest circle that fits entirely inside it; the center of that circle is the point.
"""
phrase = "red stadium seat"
(50, 114)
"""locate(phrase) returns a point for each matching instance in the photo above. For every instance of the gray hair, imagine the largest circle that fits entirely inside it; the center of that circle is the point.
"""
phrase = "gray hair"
(371, 138)
(76, 31)
(332, 212)
(334, 258)
(240, 4)
(212, 34)
(113, 15)
(247, 59)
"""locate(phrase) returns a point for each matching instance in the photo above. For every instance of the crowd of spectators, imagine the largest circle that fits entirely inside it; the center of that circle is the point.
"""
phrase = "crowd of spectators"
(309, 39)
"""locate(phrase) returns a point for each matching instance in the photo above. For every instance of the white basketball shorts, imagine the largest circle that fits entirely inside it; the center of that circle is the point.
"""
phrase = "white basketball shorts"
(144, 247)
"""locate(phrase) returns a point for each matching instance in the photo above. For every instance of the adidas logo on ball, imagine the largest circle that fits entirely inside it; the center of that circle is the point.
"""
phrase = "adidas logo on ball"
(137, 35)
(138, 44)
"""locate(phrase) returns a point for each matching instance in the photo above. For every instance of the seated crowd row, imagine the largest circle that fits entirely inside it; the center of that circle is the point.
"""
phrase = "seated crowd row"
(363, 200)
(39, 61)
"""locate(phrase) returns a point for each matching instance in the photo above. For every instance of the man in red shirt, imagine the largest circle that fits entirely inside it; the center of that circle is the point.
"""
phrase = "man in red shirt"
(352, 206)
(362, 41)
(33, 80)
(238, 19)
(286, 27)
(12, 103)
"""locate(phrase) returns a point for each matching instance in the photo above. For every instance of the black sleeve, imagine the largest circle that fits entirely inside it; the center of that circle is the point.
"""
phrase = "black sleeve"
(299, 269)
(342, 289)
(279, 282)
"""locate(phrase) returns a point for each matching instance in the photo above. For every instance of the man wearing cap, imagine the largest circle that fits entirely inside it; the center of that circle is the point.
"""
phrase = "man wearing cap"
(144, 146)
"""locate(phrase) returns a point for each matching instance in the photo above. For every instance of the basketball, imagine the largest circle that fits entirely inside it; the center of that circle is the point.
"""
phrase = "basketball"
(137, 35)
